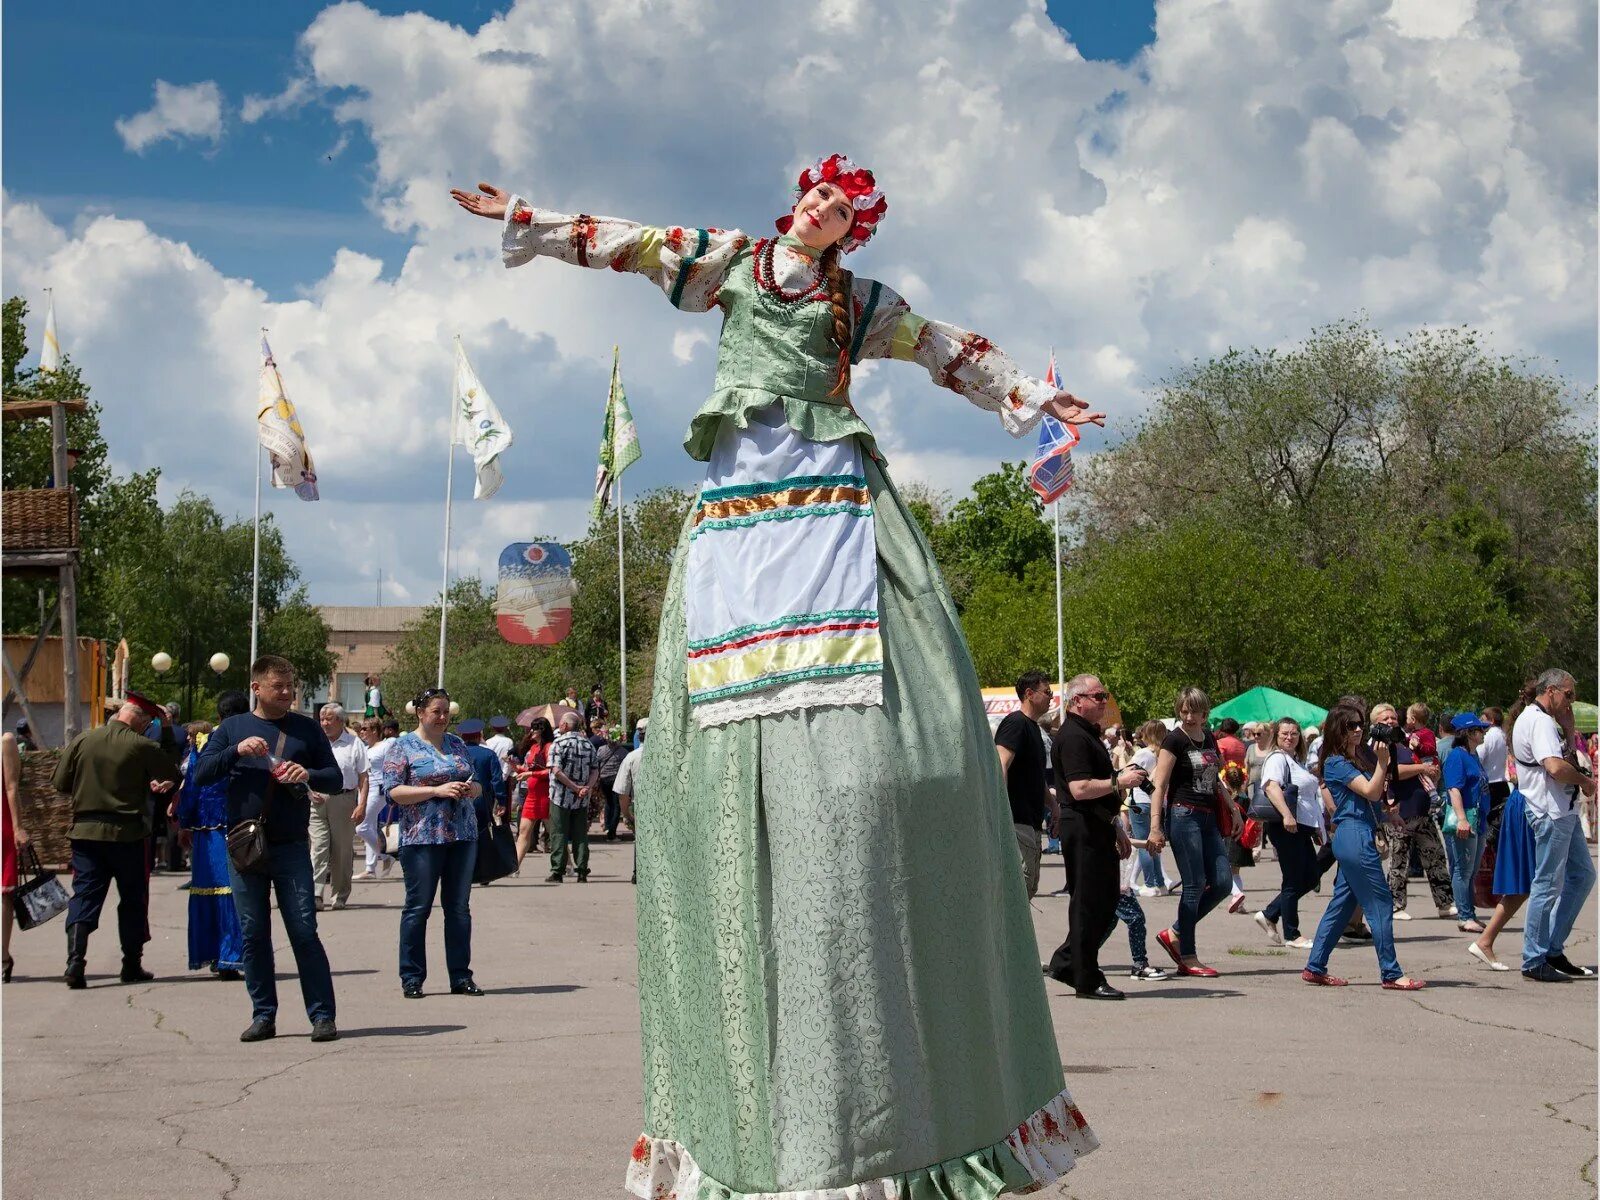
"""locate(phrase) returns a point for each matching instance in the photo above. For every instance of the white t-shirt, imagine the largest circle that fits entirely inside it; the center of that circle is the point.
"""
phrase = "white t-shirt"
(1534, 738)
(1493, 753)
(628, 773)
(1146, 758)
(502, 747)
(375, 755)
(350, 752)
(1307, 798)
(374, 697)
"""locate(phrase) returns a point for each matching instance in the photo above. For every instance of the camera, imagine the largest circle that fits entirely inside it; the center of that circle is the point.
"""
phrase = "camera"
(1389, 735)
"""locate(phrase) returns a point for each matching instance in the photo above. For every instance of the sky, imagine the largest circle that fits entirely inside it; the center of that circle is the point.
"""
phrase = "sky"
(1134, 185)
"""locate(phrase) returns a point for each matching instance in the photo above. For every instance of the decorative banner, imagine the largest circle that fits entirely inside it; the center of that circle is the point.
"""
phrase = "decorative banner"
(533, 605)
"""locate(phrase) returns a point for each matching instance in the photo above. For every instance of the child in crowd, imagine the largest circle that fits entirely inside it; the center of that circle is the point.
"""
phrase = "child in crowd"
(1131, 914)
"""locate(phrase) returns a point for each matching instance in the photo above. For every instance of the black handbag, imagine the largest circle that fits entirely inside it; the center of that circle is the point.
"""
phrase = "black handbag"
(247, 841)
(497, 852)
(40, 897)
(1261, 806)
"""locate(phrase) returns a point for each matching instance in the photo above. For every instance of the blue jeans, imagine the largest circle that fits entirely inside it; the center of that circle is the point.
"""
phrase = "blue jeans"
(1297, 860)
(1361, 881)
(1203, 861)
(1464, 855)
(445, 869)
(289, 874)
(1563, 877)
(1139, 819)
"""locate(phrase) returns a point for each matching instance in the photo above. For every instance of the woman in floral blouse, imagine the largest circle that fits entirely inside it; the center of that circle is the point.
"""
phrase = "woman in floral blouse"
(839, 981)
(428, 775)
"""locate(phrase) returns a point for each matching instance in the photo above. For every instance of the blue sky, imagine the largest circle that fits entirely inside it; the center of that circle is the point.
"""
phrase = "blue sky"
(1133, 201)
(269, 203)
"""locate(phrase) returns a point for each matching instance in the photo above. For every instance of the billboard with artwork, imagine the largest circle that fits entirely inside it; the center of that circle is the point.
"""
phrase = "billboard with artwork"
(533, 603)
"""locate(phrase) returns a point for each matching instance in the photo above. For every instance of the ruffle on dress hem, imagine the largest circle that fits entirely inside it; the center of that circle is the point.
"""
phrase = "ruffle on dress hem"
(1037, 1153)
(847, 690)
(816, 420)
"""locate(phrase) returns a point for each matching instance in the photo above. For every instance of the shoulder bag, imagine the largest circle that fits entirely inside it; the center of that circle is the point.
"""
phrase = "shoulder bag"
(40, 896)
(247, 841)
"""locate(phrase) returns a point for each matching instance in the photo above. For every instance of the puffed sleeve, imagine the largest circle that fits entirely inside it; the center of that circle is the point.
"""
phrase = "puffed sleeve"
(687, 264)
(966, 363)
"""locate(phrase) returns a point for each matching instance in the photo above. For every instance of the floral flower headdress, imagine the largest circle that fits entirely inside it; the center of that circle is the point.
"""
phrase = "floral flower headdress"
(856, 183)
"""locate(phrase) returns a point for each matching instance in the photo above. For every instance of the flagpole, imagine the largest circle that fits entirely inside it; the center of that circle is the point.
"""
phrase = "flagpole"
(449, 480)
(622, 617)
(1061, 660)
(255, 553)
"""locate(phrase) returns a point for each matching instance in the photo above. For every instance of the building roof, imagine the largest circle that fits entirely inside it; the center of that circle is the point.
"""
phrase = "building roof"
(368, 618)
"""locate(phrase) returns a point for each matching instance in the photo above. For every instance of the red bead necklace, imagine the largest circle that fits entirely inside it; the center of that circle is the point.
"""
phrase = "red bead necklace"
(767, 278)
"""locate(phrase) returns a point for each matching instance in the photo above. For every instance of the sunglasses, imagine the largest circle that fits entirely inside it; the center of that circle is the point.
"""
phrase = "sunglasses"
(430, 694)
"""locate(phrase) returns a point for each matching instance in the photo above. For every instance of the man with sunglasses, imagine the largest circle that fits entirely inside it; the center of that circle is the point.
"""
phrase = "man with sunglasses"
(1092, 839)
(1563, 876)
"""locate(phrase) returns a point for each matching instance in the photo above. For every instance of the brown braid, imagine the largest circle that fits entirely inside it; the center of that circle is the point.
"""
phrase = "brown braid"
(838, 283)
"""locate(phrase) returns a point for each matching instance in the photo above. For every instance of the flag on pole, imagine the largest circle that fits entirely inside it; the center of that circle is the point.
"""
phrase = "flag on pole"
(278, 429)
(1051, 474)
(50, 352)
(619, 443)
(479, 427)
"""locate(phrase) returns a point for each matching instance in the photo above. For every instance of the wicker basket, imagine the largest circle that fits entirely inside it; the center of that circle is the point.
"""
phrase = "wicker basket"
(39, 519)
(46, 813)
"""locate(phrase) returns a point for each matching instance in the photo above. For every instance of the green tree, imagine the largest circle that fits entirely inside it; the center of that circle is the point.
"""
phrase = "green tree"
(998, 530)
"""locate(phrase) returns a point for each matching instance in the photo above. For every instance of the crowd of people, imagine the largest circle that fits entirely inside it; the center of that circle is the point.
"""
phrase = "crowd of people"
(1491, 802)
(309, 791)
(1504, 796)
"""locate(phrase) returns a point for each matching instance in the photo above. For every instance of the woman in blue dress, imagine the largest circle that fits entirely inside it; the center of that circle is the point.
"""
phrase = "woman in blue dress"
(215, 939)
(1355, 792)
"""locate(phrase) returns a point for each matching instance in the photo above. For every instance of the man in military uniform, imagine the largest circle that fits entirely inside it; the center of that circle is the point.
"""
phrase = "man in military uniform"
(110, 774)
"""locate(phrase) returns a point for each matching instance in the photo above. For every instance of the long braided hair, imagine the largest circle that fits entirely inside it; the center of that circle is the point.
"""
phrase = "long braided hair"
(837, 281)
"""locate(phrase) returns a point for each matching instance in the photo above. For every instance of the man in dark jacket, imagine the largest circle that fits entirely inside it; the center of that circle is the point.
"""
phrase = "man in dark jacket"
(271, 756)
(110, 773)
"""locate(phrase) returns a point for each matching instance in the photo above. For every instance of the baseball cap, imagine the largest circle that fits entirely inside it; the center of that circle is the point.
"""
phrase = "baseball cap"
(1463, 722)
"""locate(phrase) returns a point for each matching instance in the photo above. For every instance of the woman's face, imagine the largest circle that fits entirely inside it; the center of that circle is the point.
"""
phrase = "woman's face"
(1288, 739)
(435, 715)
(1194, 716)
(823, 216)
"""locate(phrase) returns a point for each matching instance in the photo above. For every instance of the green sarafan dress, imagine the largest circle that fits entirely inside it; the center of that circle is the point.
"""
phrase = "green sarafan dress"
(838, 980)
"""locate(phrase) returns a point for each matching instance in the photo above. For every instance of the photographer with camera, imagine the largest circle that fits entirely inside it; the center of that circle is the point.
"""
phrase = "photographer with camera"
(1411, 783)
(1355, 794)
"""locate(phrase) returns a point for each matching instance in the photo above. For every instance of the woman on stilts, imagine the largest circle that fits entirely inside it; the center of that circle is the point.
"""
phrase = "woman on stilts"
(838, 976)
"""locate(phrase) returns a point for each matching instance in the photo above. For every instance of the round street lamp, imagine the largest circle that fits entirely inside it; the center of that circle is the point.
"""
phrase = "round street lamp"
(220, 662)
(161, 662)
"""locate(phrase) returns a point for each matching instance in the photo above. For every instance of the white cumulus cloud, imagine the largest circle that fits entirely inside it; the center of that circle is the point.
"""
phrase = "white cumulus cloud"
(181, 111)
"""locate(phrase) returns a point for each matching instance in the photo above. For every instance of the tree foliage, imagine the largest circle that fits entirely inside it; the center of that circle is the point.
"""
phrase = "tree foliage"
(177, 580)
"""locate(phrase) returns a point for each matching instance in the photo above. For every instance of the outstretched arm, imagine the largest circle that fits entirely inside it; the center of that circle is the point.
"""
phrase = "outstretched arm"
(688, 264)
(966, 363)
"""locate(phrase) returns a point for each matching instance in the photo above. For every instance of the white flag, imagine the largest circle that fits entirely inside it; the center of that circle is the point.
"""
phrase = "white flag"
(478, 426)
(278, 429)
(50, 352)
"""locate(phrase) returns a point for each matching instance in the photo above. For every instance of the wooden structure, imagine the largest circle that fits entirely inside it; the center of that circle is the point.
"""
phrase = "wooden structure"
(39, 537)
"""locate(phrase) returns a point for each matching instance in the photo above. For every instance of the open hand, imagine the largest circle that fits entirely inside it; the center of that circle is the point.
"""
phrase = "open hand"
(1068, 409)
(492, 203)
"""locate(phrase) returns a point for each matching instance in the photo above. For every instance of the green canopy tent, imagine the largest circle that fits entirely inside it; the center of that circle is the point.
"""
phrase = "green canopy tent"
(1268, 704)
(1585, 717)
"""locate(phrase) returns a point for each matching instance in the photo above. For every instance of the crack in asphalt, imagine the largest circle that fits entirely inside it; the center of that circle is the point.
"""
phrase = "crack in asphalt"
(170, 1120)
(1555, 1108)
(1496, 1025)
(160, 1016)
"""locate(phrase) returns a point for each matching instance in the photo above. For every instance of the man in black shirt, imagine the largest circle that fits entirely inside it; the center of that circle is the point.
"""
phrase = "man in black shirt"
(1022, 762)
(1092, 839)
(270, 756)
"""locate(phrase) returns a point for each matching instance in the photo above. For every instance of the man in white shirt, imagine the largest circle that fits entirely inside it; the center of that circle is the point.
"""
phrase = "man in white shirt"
(333, 817)
(1550, 782)
(500, 742)
(627, 777)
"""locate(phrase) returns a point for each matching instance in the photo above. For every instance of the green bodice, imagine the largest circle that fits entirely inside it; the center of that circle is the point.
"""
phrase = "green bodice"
(771, 350)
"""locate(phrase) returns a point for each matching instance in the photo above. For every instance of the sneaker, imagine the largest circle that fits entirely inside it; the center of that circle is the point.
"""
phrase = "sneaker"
(1401, 914)
(1568, 968)
(1146, 892)
(1448, 913)
(1268, 928)
(1545, 973)
(1148, 973)
(1300, 943)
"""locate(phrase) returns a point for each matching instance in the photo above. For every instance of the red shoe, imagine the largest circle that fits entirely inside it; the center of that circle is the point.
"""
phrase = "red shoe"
(1325, 980)
(1237, 904)
(1170, 945)
(1201, 972)
(1404, 985)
